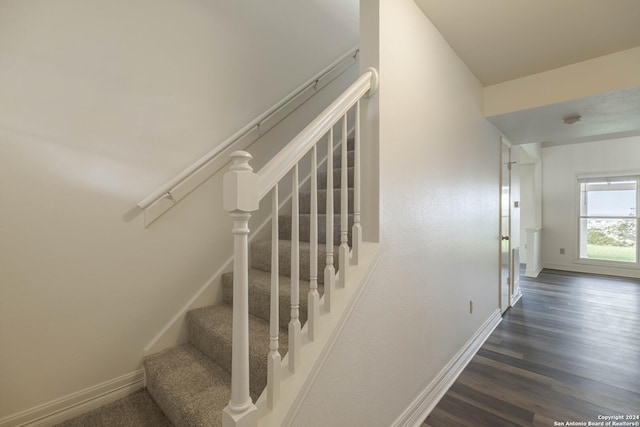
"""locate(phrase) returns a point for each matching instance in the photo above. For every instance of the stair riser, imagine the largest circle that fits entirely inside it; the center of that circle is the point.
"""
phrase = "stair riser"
(260, 300)
(190, 389)
(305, 201)
(218, 349)
(284, 228)
(337, 158)
(155, 389)
(262, 261)
(350, 144)
(215, 348)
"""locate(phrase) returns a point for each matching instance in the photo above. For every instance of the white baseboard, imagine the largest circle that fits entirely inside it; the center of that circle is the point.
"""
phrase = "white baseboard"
(515, 298)
(632, 272)
(75, 404)
(420, 408)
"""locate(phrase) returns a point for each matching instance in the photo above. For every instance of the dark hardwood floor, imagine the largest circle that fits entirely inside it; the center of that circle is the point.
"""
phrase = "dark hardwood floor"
(569, 350)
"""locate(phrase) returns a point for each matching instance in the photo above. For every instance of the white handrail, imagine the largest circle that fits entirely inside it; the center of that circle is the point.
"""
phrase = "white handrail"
(290, 155)
(255, 126)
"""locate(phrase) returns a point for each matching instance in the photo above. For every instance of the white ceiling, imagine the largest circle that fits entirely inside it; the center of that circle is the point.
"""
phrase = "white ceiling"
(607, 116)
(501, 40)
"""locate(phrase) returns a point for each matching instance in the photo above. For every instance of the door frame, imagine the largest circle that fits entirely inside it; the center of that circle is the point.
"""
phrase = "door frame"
(504, 305)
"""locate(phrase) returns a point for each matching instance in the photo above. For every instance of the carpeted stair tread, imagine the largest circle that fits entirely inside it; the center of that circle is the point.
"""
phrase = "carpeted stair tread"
(260, 295)
(305, 201)
(136, 410)
(337, 180)
(284, 228)
(261, 258)
(210, 330)
(190, 388)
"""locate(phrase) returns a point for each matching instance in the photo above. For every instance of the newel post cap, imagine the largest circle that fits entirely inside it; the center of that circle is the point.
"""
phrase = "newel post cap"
(240, 184)
(375, 81)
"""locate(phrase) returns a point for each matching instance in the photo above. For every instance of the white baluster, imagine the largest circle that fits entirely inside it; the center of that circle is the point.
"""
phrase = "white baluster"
(294, 323)
(329, 270)
(356, 234)
(314, 297)
(274, 360)
(240, 198)
(344, 209)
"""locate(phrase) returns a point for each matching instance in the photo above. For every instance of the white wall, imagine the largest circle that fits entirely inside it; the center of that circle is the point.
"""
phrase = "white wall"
(439, 216)
(561, 167)
(101, 102)
(530, 193)
(527, 219)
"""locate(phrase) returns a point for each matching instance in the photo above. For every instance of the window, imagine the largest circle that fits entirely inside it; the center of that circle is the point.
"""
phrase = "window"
(609, 219)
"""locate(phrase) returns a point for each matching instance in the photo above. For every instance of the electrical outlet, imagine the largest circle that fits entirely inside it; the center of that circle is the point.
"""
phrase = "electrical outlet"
(561, 251)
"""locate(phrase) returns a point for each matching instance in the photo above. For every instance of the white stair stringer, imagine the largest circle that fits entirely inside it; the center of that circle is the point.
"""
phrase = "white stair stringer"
(294, 387)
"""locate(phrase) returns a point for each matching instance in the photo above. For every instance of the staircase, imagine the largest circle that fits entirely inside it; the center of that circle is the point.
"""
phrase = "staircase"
(271, 322)
(191, 383)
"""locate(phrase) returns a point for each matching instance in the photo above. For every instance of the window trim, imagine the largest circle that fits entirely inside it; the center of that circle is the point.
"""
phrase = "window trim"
(613, 176)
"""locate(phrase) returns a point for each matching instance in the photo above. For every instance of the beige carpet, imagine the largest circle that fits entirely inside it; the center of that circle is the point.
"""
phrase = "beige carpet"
(136, 410)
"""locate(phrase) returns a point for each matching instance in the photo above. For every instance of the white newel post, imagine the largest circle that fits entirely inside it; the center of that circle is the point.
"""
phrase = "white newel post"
(240, 199)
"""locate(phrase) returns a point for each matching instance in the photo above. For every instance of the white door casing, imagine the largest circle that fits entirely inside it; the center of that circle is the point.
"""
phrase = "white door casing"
(505, 220)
